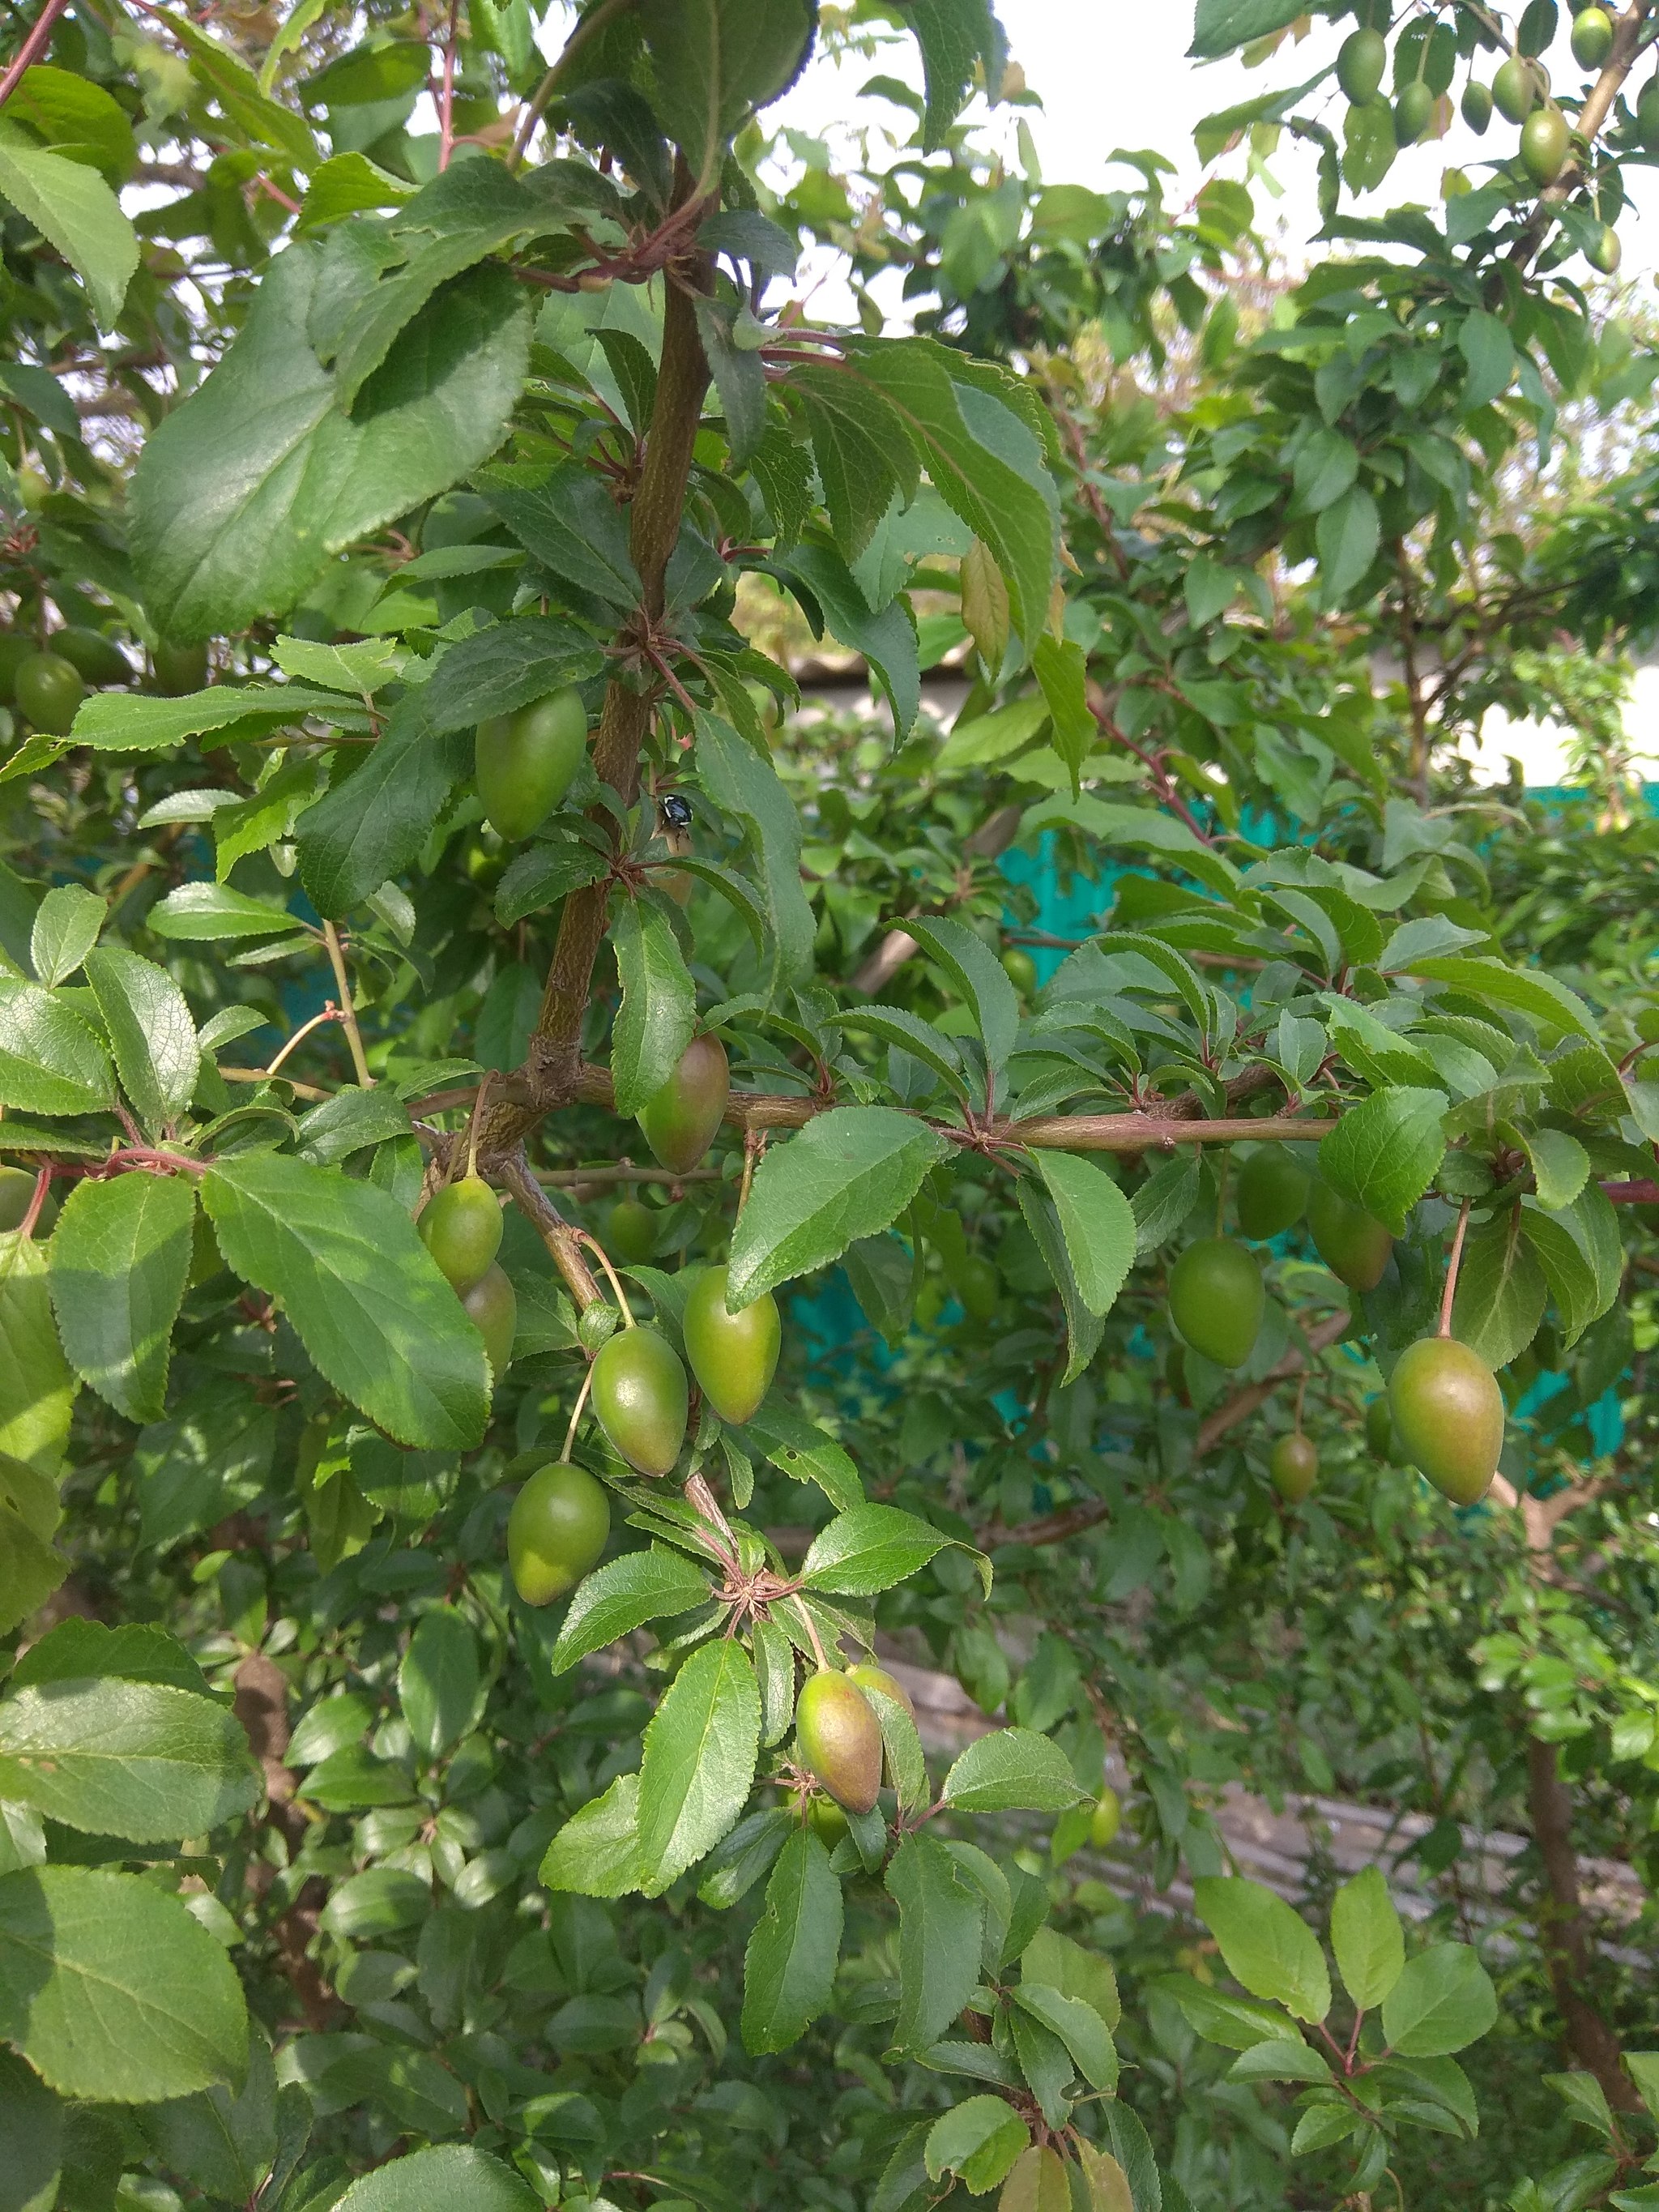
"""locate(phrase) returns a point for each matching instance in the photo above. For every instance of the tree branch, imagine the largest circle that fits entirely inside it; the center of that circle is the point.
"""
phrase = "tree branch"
(1626, 42)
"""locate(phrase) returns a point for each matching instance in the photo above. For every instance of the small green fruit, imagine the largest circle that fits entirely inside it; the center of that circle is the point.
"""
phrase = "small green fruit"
(733, 1356)
(492, 1306)
(1414, 112)
(1476, 107)
(868, 1676)
(978, 1286)
(1106, 1819)
(630, 1232)
(525, 762)
(1353, 1246)
(1514, 89)
(1020, 968)
(1272, 1193)
(1592, 38)
(17, 1194)
(1294, 1466)
(1606, 252)
(179, 669)
(93, 655)
(461, 1227)
(559, 1526)
(680, 1121)
(1449, 1415)
(1360, 62)
(15, 648)
(48, 691)
(1380, 1439)
(838, 1739)
(828, 1821)
(1217, 1299)
(1546, 143)
(1647, 115)
(641, 1398)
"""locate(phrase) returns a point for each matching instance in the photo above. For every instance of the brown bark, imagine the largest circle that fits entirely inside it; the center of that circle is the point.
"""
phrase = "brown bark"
(261, 1706)
(1563, 1932)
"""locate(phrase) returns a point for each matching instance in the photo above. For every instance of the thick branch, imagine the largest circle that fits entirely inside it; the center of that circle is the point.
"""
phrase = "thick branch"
(1565, 1932)
(555, 1231)
(1626, 42)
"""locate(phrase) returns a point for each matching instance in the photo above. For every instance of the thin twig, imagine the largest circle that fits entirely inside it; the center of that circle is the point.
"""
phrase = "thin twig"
(577, 1414)
(600, 1253)
(589, 27)
(331, 1013)
(1452, 1267)
(347, 1012)
(32, 48)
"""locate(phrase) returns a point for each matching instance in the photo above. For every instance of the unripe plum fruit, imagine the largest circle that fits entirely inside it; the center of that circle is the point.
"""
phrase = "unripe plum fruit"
(1105, 1820)
(1360, 62)
(630, 1232)
(1476, 107)
(1272, 1193)
(1020, 968)
(869, 1676)
(461, 1227)
(179, 669)
(1448, 1416)
(16, 1192)
(838, 1738)
(525, 762)
(680, 1121)
(733, 1356)
(1216, 1300)
(492, 1306)
(559, 1526)
(1514, 89)
(1545, 143)
(1412, 112)
(48, 691)
(1293, 1464)
(641, 1398)
(1592, 38)
(96, 658)
(1353, 1246)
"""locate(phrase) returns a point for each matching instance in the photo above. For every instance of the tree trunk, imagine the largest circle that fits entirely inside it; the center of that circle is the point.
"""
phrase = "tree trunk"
(1565, 1933)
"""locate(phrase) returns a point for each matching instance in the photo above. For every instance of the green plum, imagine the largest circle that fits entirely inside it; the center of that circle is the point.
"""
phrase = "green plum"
(525, 761)
(1105, 1820)
(1449, 1415)
(559, 1527)
(1360, 61)
(1217, 1299)
(492, 1306)
(1294, 1466)
(641, 1398)
(680, 1121)
(733, 1356)
(48, 691)
(1272, 1193)
(630, 1232)
(461, 1227)
(838, 1739)
(1354, 1247)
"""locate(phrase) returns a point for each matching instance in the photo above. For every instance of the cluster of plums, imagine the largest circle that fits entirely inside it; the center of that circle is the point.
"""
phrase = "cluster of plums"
(1519, 91)
(1443, 1400)
(46, 683)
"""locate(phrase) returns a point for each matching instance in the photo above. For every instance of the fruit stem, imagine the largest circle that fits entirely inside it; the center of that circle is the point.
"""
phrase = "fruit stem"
(475, 1123)
(581, 1399)
(331, 1013)
(701, 1496)
(1453, 1265)
(38, 1198)
(800, 1605)
(754, 1144)
(1301, 1394)
(348, 1011)
(599, 1254)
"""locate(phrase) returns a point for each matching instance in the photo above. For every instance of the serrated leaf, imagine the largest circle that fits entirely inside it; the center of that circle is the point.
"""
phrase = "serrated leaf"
(452, 2175)
(699, 1761)
(111, 1989)
(67, 924)
(1501, 1291)
(941, 1920)
(748, 789)
(789, 1966)
(362, 1290)
(714, 61)
(49, 1060)
(1078, 2025)
(439, 1682)
(1098, 1223)
(151, 1032)
(979, 979)
(1526, 990)
(657, 1016)
(539, 877)
(120, 1259)
(978, 2142)
(139, 1759)
(1084, 1329)
(1385, 1152)
(597, 1852)
(1013, 1769)
(622, 1596)
(1368, 1938)
(1442, 2001)
(847, 1175)
(72, 207)
(1266, 1946)
(37, 1389)
(872, 1547)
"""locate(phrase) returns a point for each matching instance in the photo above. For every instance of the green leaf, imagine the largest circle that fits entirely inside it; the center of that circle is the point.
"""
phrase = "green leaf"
(1442, 2001)
(112, 1990)
(1526, 990)
(1084, 1329)
(1013, 1769)
(1485, 344)
(1290, 2061)
(453, 2175)
(1078, 2025)
(789, 1966)
(1066, 1966)
(848, 1174)
(127, 722)
(224, 2145)
(1368, 1939)
(370, 825)
(978, 2142)
(1063, 674)
(120, 1259)
(349, 1123)
(151, 1033)
(1265, 1945)
(953, 35)
(66, 927)
(74, 210)
(31, 2139)
(1385, 1153)
(699, 1761)
(439, 1684)
(245, 487)
(871, 1547)
(363, 1291)
(941, 1921)
(30, 1570)
(1098, 1223)
(1224, 24)
(1108, 2184)
(1347, 534)
(865, 454)
(906, 1764)
(570, 524)
(622, 1596)
(886, 636)
(658, 1016)
(1501, 1291)
(1039, 2181)
(977, 977)
(804, 1452)
(37, 1389)
(1643, 2067)
(139, 1759)
(49, 1060)
(897, 1025)
(1585, 2099)
(747, 787)
(713, 62)
(208, 913)
(1560, 1166)
(539, 877)
(77, 1650)
(1235, 2023)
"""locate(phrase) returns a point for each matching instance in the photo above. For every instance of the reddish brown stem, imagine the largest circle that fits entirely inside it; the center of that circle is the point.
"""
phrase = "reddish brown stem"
(32, 48)
(1452, 1267)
